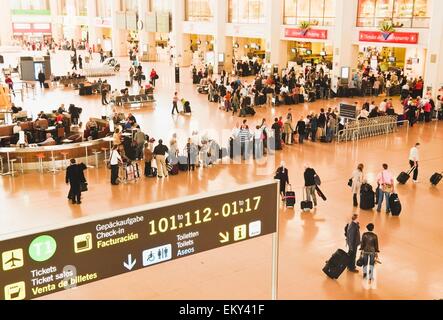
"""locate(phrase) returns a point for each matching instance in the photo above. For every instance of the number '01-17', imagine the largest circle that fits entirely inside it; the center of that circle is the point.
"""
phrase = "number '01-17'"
(198, 217)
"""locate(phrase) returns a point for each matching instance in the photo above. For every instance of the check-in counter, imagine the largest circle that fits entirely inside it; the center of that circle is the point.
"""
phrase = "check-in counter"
(30, 155)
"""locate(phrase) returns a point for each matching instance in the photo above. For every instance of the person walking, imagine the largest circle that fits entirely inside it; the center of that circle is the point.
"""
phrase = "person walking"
(352, 232)
(74, 177)
(357, 181)
(175, 100)
(104, 93)
(309, 177)
(74, 62)
(370, 250)
(80, 62)
(114, 160)
(191, 150)
(131, 72)
(160, 158)
(282, 174)
(301, 129)
(244, 136)
(413, 161)
(288, 130)
(41, 79)
(385, 182)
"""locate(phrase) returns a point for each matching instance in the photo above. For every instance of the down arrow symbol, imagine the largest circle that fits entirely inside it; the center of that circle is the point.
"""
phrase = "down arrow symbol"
(131, 263)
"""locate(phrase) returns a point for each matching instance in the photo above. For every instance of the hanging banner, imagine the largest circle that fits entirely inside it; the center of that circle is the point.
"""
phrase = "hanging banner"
(306, 34)
(389, 37)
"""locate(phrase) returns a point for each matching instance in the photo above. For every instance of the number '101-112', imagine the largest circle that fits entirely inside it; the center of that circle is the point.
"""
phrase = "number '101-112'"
(206, 215)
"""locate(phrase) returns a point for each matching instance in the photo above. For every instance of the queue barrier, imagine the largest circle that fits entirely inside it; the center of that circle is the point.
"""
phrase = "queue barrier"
(363, 129)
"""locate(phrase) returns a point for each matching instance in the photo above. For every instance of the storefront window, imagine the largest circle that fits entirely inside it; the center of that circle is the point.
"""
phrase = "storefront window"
(103, 8)
(246, 11)
(404, 13)
(198, 10)
(33, 5)
(130, 5)
(317, 12)
(81, 8)
(161, 5)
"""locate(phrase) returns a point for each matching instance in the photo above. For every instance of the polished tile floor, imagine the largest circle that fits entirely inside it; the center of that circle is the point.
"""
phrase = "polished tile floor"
(411, 245)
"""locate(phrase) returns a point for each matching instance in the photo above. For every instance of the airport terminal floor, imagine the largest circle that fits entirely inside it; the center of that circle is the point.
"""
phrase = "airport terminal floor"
(411, 246)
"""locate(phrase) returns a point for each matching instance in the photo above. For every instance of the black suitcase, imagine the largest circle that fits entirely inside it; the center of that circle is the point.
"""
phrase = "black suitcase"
(183, 163)
(46, 85)
(395, 204)
(290, 198)
(336, 264)
(367, 197)
(127, 83)
(222, 153)
(436, 178)
(306, 205)
(404, 177)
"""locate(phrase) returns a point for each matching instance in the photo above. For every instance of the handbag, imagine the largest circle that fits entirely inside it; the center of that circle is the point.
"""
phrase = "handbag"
(83, 186)
(350, 183)
(386, 187)
(360, 261)
(317, 180)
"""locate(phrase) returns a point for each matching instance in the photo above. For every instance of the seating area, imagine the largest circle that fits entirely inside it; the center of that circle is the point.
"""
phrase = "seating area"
(134, 99)
(103, 129)
(70, 81)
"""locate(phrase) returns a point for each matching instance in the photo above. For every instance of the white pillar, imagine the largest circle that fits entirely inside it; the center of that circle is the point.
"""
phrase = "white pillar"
(180, 41)
(119, 43)
(56, 26)
(6, 29)
(434, 57)
(220, 10)
(345, 53)
(92, 15)
(143, 40)
(276, 49)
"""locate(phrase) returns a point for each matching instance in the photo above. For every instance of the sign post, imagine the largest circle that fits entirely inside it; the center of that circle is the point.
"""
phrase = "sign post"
(47, 261)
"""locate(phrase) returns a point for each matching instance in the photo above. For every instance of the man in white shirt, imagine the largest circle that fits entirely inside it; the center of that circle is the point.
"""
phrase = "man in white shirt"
(371, 106)
(115, 159)
(382, 107)
(413, 161)
(16, 129)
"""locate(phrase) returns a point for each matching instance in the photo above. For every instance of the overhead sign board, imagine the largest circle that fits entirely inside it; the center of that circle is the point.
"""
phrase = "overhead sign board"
(45, 262)
(389, 37)
(306, 33)
(348, 111)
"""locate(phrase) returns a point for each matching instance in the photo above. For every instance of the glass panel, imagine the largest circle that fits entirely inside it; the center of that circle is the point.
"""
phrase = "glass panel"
(198, 10)
(366, 8)
(316, 13)
(365, 22)
(420, 23)
(290, 13)
(303, 10)
(383, 8)
(330, 6)
(161, 5)
(421, 8)
(403, 8)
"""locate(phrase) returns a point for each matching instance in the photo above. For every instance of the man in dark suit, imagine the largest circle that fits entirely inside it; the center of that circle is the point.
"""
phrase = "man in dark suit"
(283, 176)
(74, 178)
(353, 240)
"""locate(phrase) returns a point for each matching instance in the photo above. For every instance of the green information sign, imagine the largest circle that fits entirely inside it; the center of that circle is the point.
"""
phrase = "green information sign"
(34, 265)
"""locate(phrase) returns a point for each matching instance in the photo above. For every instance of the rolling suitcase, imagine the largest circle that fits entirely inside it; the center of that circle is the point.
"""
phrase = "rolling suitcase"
(404, 177)
(306, 205)
(127, 83)
(395, 204)
(183, 163)
(290, 198)
(436, 178)
(46, 85)
(173, 170)
(367, 197)
(336, 264)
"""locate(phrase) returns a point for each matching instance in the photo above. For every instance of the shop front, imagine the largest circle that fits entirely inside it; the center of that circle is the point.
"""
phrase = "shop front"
(32, 32)
(308, 47)
(392, 51)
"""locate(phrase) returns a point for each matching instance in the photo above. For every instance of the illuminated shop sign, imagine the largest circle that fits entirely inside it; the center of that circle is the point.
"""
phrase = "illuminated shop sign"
(389, 37)
(306, 34)
(42, 263)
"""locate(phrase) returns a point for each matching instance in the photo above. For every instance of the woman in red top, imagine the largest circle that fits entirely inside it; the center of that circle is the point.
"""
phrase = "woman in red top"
(418, 88)
(153, 76)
